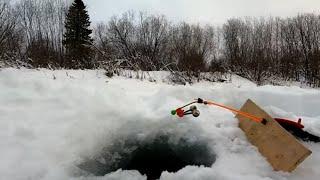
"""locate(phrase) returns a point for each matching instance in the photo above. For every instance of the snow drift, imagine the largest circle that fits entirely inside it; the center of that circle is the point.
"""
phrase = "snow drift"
(52, 121)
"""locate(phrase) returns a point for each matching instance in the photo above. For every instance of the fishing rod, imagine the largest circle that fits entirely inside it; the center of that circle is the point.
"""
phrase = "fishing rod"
(180, 112)
(295, 128)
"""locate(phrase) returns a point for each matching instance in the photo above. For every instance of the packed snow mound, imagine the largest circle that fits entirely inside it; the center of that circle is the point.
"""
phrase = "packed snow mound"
(51, 121)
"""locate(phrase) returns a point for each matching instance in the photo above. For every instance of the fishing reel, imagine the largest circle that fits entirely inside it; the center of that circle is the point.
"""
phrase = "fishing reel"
(181, 112)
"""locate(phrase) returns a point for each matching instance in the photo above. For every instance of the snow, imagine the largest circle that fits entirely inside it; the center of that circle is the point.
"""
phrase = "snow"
(51, 120)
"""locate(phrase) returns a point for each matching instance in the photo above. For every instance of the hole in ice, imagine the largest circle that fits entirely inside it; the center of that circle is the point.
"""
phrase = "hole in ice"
(151, 156)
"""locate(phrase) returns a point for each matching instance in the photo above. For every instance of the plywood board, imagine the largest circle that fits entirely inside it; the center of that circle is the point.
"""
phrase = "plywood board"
(282, 150)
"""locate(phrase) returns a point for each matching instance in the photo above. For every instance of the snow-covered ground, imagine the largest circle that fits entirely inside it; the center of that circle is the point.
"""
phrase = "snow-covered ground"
(51, 120)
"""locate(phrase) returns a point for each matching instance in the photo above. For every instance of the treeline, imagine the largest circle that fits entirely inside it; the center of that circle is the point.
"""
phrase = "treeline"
(31, 32)
(264, 49)
(261, 49)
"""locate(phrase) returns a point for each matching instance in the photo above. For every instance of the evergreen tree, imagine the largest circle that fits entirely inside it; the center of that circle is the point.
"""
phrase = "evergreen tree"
(77, 40)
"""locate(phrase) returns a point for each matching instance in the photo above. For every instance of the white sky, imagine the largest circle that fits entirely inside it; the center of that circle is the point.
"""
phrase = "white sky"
(202, 11)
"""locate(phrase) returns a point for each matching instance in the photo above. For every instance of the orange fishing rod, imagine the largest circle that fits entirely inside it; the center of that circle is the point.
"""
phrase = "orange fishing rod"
(194, 111)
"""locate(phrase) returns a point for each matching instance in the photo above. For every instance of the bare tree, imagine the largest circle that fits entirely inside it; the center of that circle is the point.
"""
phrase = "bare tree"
(43, 25)
(192, 47)
(10, 38)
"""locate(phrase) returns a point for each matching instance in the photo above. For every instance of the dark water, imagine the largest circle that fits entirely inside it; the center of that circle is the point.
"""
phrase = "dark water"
(150, 157)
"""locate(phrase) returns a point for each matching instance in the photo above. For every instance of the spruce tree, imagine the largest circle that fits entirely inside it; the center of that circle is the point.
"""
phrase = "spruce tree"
(77, 40)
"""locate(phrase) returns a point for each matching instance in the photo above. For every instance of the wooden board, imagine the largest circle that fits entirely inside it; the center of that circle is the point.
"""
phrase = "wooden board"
(282, 150)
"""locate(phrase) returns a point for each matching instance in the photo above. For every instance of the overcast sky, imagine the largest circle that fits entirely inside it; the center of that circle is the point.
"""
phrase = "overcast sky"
(202, 11)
